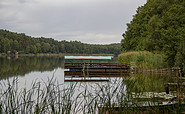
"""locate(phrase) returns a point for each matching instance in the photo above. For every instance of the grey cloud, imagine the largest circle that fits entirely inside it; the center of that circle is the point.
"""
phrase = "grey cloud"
(27, 1)
(22, 1)
(86, 20)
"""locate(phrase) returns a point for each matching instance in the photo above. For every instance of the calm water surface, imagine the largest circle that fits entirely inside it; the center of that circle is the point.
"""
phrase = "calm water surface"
(30, 69)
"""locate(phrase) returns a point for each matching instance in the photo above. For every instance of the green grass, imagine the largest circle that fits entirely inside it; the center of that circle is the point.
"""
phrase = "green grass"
(143, 59)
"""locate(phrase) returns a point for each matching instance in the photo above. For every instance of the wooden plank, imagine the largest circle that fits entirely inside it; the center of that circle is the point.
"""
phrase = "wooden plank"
(175, 84)
(111, 64)
(86, 80)
(95, 74)
(96, 65)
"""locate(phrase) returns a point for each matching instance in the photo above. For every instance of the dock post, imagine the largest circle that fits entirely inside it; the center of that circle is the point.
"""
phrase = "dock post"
(178, 89)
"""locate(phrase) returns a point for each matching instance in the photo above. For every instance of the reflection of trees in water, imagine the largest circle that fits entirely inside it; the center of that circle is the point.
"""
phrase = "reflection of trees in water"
(147, 82)
(24, 65)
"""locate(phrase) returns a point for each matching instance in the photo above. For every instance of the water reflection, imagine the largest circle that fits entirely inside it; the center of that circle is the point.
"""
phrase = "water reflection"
(116, 85)
(148, 82)
(33, 67)
(26, 65)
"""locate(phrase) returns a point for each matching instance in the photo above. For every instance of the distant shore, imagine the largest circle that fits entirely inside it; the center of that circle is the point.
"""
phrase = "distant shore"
(53, 54)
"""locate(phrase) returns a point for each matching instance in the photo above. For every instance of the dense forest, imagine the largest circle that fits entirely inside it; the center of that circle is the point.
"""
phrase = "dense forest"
(159, 27)
(27, 44)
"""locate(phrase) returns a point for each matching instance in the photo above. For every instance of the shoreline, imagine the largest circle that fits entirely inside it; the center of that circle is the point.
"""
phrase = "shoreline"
(54, 54)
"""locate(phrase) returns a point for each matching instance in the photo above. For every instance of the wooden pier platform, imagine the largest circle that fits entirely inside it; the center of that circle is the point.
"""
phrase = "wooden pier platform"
(86, 80)
(175, 84)
(96, 69)
(95, 74)
(143, 108)
(97, 66)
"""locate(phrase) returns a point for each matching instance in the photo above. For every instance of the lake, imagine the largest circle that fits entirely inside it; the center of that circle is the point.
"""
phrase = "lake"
(44, 68)
(28, 69)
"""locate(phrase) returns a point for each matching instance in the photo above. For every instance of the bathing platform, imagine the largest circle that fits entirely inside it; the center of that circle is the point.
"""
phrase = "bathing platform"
(96, 69)
(84, 68)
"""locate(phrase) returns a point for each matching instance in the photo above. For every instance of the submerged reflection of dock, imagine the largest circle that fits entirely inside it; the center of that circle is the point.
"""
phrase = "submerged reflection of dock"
(94, 74)
(79, 76)
(89, 80)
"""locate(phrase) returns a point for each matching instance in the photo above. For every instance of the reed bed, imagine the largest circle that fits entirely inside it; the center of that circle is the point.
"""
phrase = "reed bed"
(52, 97)
(143, 59)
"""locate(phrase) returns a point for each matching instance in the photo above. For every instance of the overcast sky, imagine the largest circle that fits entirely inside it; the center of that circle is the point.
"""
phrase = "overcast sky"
(88, 21)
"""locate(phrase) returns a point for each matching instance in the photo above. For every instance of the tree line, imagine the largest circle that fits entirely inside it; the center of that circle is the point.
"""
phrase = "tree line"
(27, 44)
(158, 26)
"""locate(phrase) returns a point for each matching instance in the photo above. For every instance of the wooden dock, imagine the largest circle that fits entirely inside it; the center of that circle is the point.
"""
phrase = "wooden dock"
(86, 80)
(95, 74)
(143, 108)
(96, 69)
(175, 84)
(97, 66)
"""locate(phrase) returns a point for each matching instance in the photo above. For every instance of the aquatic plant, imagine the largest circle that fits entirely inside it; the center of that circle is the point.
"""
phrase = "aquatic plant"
(143, 59)
(73, 98)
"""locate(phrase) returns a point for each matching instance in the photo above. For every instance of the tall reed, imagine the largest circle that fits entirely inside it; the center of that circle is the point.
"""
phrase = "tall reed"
(143, 59)
(73, 98)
